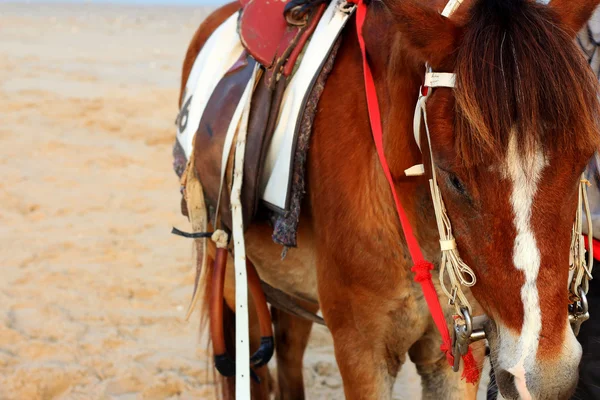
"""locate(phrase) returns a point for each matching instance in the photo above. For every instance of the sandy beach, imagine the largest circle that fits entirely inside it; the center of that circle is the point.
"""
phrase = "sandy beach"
(94, 288)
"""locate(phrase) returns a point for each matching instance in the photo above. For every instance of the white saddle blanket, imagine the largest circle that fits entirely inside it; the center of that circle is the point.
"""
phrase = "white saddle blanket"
(220, 52)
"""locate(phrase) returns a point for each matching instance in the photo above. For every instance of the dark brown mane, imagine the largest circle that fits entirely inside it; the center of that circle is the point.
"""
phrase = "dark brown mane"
(519, 71)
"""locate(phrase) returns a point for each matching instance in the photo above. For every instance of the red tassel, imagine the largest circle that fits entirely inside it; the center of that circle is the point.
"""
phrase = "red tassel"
(422, 271)
(470, 370)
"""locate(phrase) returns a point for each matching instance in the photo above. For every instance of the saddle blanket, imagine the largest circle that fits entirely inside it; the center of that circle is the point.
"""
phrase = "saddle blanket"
(219, 54)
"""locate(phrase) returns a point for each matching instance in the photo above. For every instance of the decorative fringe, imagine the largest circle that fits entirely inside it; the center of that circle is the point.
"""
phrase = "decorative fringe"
(470, 370)
(422, 270)
(196, 208)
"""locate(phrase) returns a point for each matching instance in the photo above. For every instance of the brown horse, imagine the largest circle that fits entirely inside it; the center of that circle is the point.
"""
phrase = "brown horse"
(510, 143)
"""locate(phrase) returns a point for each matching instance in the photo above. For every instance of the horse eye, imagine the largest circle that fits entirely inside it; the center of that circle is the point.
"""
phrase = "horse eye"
(457, 184)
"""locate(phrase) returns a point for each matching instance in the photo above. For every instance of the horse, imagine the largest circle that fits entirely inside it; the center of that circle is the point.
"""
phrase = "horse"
(510, 142)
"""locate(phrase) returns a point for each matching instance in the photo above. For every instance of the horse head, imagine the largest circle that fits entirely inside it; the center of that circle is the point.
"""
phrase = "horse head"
(510, 142)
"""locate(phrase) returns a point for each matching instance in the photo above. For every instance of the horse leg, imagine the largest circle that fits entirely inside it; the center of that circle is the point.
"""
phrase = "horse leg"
(365, 352)
(372, 327)
(438, 380)
(291, 338)
(263, 389)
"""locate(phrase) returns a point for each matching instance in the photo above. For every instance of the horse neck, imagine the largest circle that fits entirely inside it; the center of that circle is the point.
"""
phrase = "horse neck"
(398, 77)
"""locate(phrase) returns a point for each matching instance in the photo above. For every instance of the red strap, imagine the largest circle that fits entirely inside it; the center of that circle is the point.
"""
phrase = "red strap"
(596, 246)
(421, 267)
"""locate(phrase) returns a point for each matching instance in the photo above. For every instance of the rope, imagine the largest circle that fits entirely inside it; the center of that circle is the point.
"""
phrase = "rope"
(221, 239)
(582, 268)
(451, 265)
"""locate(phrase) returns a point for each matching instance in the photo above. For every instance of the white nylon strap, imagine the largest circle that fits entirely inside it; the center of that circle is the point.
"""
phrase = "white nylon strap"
(451, 7)
(440, 79)
(418, 118)
(242, 341)
(446, 245)
(432, 80)
(415, 170)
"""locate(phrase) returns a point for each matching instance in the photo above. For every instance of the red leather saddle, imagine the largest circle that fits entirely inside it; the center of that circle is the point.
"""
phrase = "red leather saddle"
(264, 30)
(272, 38)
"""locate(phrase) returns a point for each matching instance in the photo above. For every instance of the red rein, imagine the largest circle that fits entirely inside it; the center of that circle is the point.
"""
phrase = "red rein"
(421, 267)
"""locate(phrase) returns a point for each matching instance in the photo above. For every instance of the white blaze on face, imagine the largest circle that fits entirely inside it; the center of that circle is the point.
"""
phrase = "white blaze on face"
(524, 175)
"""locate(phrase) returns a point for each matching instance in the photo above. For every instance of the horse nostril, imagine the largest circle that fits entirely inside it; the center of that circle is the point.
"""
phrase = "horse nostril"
(506, 384)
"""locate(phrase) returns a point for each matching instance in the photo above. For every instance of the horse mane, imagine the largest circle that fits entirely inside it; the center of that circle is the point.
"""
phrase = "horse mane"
(518, 72)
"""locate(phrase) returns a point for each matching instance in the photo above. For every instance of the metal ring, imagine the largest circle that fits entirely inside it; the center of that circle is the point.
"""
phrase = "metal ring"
(468, 321)
(297, 16)
(583, 301)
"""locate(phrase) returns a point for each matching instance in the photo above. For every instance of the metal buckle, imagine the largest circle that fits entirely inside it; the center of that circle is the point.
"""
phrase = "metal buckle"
(579, 312)
(452, 298)
(464, 335)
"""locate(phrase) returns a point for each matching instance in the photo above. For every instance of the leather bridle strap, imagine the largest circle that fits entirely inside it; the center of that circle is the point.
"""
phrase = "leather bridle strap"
(432, 80)
(421, 268)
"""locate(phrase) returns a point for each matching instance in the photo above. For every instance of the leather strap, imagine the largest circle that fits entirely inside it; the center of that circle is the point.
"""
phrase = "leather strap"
(432, 80)
(242, 342)
(284, 302)
(231, 132)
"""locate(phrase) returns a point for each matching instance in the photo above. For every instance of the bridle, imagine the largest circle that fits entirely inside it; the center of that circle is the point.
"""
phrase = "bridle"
(455, 274)
(459, 274)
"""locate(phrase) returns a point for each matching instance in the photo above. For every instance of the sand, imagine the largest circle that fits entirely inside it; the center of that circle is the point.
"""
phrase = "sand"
(94, 288)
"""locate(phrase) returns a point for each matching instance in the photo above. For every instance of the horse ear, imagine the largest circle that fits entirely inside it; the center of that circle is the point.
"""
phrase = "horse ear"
(432, 37)
(574, 13)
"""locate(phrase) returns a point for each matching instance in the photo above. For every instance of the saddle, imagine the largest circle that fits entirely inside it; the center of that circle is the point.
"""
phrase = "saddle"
(239, 82)
(273, 35)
